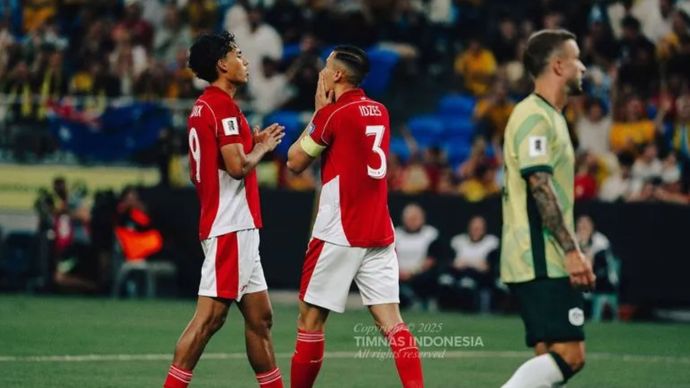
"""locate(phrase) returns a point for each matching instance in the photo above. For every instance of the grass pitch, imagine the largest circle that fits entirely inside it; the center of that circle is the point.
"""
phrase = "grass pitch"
(77, 342)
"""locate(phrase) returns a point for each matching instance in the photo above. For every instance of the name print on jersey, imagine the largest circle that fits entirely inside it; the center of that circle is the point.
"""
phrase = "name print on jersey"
(369, 110)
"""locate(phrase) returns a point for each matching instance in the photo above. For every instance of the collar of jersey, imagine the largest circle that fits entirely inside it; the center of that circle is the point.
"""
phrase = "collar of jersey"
(350, 95)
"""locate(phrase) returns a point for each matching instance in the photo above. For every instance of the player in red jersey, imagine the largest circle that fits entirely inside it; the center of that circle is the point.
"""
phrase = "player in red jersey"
(353, 234)
(223, 152)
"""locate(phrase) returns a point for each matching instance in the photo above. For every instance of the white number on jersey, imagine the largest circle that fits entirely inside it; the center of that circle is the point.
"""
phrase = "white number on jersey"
(377, 132)
(195, 150)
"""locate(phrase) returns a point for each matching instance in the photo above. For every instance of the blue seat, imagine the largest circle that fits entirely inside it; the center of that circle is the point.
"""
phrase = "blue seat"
(457, 152)
(399, 147)
(290, 51)
(454, 125)
(457, 104)
(293, 127)
(382, 63)
(426, 129)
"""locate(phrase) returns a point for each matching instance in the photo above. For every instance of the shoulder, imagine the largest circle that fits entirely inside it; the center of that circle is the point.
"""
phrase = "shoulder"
(491, 240)
(459, 239)
(430, 232)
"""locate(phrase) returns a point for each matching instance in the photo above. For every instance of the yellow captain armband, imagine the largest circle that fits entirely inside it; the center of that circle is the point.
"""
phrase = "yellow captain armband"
(311, 147)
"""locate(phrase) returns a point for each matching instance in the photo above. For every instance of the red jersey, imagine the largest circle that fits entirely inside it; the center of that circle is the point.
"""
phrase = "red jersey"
(353, 207)
(227, 204)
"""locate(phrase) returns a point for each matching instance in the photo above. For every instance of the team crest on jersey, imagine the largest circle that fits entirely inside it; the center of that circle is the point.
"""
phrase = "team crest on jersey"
(230, 126)
(537, 146)
(576, 316)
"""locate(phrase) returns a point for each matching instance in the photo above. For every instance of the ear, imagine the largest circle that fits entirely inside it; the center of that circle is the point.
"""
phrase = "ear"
(338, 75)
(558, 65)
(222, 65)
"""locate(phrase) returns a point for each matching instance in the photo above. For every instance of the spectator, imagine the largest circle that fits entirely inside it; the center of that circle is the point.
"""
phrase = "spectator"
(504, 43)
(680, 137)
(477, 66)
(492, 113)
(620, 186)
(140, 30)
(202, 16)
(596, 247)
(593, 128)
(633, 128)
(269, 90)
(482, 185)
(303, 74)
(127, 60)
(75, 266)
(417, 248)
(415, 178)
(585, 177)
(135, 232)
(670, 44)
(647, 166)
(471, 269)
(171, 37)
(259, 40)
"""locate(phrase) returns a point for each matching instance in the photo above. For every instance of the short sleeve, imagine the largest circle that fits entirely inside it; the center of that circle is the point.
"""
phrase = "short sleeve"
(533, 145)
(320, 128)
(229, 122)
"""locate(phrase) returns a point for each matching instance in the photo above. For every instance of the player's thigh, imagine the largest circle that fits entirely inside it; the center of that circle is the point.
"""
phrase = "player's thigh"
(327, 274)
(378, 277)
(573, 352)
(257, 310)
(211, 311)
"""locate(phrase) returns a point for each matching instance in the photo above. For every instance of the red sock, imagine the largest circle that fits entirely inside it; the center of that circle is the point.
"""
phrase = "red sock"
(271, 379)
(306, 362)
(177, 378)
(406, 355)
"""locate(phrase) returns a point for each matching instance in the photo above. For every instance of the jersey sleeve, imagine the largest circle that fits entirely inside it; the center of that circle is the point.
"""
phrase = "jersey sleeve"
(533, 145)
(228, 125)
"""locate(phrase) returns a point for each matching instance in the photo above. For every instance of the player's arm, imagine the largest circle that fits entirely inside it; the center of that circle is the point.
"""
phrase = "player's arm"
(238, 164)
(551, 215)
(576, 264)
(303, 152)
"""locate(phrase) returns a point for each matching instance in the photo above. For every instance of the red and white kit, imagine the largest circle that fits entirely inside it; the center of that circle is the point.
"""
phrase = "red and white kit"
(230, 209)
(353, 234)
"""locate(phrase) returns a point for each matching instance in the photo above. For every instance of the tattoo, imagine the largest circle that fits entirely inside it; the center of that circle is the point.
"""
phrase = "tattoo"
(550, 210)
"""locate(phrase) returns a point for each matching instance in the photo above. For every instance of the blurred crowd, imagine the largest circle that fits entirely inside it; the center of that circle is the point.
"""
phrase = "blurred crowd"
(631, 127)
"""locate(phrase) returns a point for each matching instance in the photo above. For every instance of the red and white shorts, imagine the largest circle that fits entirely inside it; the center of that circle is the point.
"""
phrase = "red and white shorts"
(232, 265)
(329, 270)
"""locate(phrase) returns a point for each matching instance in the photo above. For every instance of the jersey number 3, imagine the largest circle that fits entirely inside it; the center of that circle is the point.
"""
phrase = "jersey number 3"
(377, 132)
(195, 151)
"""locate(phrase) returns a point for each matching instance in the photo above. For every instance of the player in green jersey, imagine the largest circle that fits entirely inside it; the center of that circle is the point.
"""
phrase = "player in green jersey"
(540, 258)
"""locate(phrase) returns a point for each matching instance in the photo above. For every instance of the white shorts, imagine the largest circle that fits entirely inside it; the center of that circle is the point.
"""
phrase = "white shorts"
(232, 265)
(329, 269)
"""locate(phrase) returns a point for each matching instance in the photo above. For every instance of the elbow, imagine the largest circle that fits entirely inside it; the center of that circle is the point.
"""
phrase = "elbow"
(293, 167)
(236, 172)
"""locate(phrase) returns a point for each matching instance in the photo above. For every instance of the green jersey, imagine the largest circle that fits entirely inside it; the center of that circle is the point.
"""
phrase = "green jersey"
(536, 139)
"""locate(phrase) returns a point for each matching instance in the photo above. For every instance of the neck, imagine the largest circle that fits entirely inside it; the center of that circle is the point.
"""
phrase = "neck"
(226, 86)
(341, 89)
(556, 96)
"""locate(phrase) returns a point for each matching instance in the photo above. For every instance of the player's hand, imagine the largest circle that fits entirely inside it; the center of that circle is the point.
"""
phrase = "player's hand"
(323, 97)
(580, 270)
(271, 136)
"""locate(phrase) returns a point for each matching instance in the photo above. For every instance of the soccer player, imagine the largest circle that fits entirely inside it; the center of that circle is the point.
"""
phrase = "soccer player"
(223, 152)
(353, 236)
(540, 258)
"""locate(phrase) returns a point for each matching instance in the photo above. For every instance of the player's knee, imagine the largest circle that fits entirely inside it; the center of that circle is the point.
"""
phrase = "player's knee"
(261, 323)
(575, 359)
(309, 322)
(212, 322)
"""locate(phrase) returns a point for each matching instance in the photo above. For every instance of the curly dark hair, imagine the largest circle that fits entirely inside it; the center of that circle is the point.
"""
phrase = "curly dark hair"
(207, 50)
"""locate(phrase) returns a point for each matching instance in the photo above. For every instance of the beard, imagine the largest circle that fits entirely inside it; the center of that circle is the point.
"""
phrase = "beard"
(574, 86)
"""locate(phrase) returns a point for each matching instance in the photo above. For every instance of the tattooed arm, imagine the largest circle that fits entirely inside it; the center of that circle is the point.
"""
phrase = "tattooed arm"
(576, 264)
(550, 210)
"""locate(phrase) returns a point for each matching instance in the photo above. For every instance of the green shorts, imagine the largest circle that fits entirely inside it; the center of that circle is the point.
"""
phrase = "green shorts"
(551, 310)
